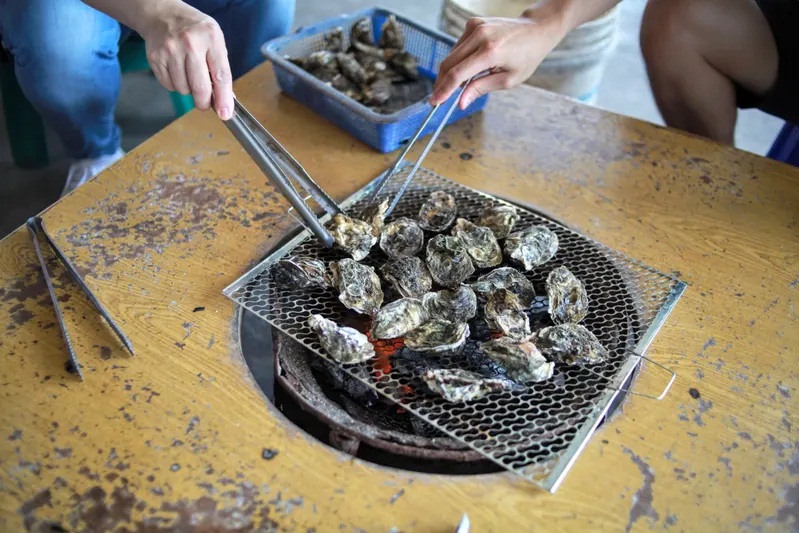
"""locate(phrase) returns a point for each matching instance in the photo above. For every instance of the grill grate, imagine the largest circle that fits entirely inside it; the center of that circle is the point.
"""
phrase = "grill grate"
(537, 431)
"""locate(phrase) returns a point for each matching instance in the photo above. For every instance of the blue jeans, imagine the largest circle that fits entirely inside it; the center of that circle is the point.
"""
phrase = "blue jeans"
(65, 58)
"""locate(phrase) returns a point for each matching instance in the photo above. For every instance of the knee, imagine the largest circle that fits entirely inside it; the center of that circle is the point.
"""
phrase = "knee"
(669, 26)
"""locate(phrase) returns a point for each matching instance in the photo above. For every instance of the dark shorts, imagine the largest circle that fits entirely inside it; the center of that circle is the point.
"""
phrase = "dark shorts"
(782, 100)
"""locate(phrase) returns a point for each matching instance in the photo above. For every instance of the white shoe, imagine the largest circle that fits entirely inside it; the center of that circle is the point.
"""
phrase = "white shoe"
(82, 170)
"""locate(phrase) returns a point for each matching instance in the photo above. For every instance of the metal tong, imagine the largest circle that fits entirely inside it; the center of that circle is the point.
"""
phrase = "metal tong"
(275, 162)
(35, 227)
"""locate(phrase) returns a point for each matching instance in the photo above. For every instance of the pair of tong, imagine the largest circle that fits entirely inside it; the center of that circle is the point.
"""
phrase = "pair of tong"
(36, 227)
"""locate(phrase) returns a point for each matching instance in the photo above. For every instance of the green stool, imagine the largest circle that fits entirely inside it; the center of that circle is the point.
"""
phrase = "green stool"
(25, 128)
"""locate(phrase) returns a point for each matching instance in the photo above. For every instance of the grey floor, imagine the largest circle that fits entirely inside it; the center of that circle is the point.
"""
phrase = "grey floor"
(144, 108)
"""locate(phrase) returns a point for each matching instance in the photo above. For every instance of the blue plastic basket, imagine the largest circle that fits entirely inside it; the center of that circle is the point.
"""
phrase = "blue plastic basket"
(383, 132)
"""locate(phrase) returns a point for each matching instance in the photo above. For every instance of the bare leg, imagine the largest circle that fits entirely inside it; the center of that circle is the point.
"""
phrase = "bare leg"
(696, 51)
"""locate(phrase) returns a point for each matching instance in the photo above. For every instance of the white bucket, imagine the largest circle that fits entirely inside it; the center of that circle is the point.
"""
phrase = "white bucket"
(576, 65)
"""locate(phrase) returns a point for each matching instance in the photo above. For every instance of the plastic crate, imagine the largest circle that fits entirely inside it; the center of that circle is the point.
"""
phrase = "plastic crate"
(383, 132)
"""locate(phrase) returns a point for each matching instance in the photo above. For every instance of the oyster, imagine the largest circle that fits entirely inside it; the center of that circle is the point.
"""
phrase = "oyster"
(398, 318)
(504, 313)
(520, 359)
(500, 219)
(456, 305)
(406, 64)
(568, 301)
(375, 216)
(378, 92)
(456, 385)
(354, 236)
(341, 83)
(351, 68)
(345, 345)
(570, 344)
(507, 278)
(437, 336)
(400, 237)
(448, 261)
(408, 276)
(322, 64)
(391, 35)
(361, 32)
(358, 286)
(300, 272)
(532, 247)
(334, 41)
(438, 212)
(480, 243)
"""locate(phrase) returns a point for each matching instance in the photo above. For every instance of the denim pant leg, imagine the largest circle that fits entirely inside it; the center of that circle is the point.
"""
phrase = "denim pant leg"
(65, 58)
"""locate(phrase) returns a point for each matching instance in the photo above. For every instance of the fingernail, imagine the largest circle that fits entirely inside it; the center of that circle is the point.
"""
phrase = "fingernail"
(465, 101)
(224, 113)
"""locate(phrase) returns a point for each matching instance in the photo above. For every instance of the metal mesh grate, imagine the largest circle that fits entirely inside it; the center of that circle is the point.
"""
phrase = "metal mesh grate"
(535, 432)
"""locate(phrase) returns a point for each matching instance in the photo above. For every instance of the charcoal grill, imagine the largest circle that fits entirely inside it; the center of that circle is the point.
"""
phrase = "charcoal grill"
(539, 431)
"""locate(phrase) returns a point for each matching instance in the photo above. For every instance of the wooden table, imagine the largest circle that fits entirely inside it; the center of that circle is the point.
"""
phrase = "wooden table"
(173, 438)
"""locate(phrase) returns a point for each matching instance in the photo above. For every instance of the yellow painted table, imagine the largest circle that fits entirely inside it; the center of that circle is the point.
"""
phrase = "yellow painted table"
(172, 439)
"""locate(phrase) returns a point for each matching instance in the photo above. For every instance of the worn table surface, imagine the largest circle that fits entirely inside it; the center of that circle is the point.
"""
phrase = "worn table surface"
(174, 437)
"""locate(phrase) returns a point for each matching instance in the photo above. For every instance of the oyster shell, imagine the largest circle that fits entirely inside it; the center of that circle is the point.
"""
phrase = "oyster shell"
(391, 35)
(456, 305)
(406, 64)
(457, 385)
(354, 236)
(358, 285)
(568, 301)
(361, 32)
(345, 345)
(351, 68)
(322, 64)
(375, 216)
(480, 243)
(408, 276)
(504, 313)
(507, 278)
(378, 92)
(438, 212)
(500, 219)
(570, 344)
(532, 247)
(334, 40)
(437, 336)
(401, 237)
(448, 261)
(398, 318)
(521, 359)
(341, 83)
(300, 272)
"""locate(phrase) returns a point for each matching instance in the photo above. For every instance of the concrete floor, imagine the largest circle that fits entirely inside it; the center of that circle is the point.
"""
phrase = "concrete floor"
(144, 108)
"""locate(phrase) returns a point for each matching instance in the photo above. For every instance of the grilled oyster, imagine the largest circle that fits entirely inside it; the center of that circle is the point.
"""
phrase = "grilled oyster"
(398, 318)
(520, 359)
(456, 305)
(568, 301)
(448, 261)
(345, 345)
(408, 276)
(391, 35)
(300, 272)
(437, 336)
(351, 68)
(406, 65)
(358, 286)
(532, 247)
(570, 344)
(354, 236)
(401, 237)
(456, 385)
(480, 243)
(507, 278)
(500, 219)
(438, 212)
(361, 32)
(375, 216)
(504, 313)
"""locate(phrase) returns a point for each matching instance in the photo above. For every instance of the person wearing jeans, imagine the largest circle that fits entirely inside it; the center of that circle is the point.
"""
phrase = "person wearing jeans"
(65, 58)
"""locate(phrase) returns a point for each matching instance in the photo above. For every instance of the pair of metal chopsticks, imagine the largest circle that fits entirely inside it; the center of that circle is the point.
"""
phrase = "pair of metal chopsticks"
(36, 228)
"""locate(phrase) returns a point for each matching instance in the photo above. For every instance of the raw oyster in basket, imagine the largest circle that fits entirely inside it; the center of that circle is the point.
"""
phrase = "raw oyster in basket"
(334, 41)
(521, 359)
(322, 64)
(358, 285)
(375, 216)
(391, 35)
(480, 243)
(351, 68)
(568, 301)
(457, 385)
(354, 236)
(437, 336)
(532, 247)
(500, 219)
(408, 276)
(398, 318)
(504, 313)
(570, 344)
(400, 237)
(378, 92)
(507, 278)
(300, 272)
(448, 261)
(361, 32)
(455, 305)
(438, 212)
(345, 345)
(406, 64)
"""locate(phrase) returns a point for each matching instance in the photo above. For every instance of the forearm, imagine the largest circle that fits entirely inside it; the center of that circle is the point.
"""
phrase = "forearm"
(138, 14)
(568, 14)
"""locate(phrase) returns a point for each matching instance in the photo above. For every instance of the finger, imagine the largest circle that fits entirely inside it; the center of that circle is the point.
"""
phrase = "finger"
(221, 79)
(440, 89)
(177, 73)
(471, 24)
(485, 85)
(472, 65)
(162, 75)
(199, 81)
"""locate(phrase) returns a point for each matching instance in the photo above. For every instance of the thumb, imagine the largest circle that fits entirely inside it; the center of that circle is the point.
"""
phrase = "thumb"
(484, 85)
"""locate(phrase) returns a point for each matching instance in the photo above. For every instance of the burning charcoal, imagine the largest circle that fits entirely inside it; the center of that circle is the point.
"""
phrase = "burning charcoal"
(448, 261)
(345, 345)
(408, 276)
(437, 336)
(300, 272)
(570, 344)
(354, 236)
(391, 35)
(500, 219)
(398, 318)
(351, 68)
(568, 301)
(456, 305)
(402, 237)
(375, 216)
(358, 285)
(532, 247)
(456, 385)
(480, 243)
(520, 359)
(507, 278)
(438, 212)
(504, 313)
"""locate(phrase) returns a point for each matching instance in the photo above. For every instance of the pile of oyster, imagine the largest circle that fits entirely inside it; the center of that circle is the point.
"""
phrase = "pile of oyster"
(436, 303)
(366, 71)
